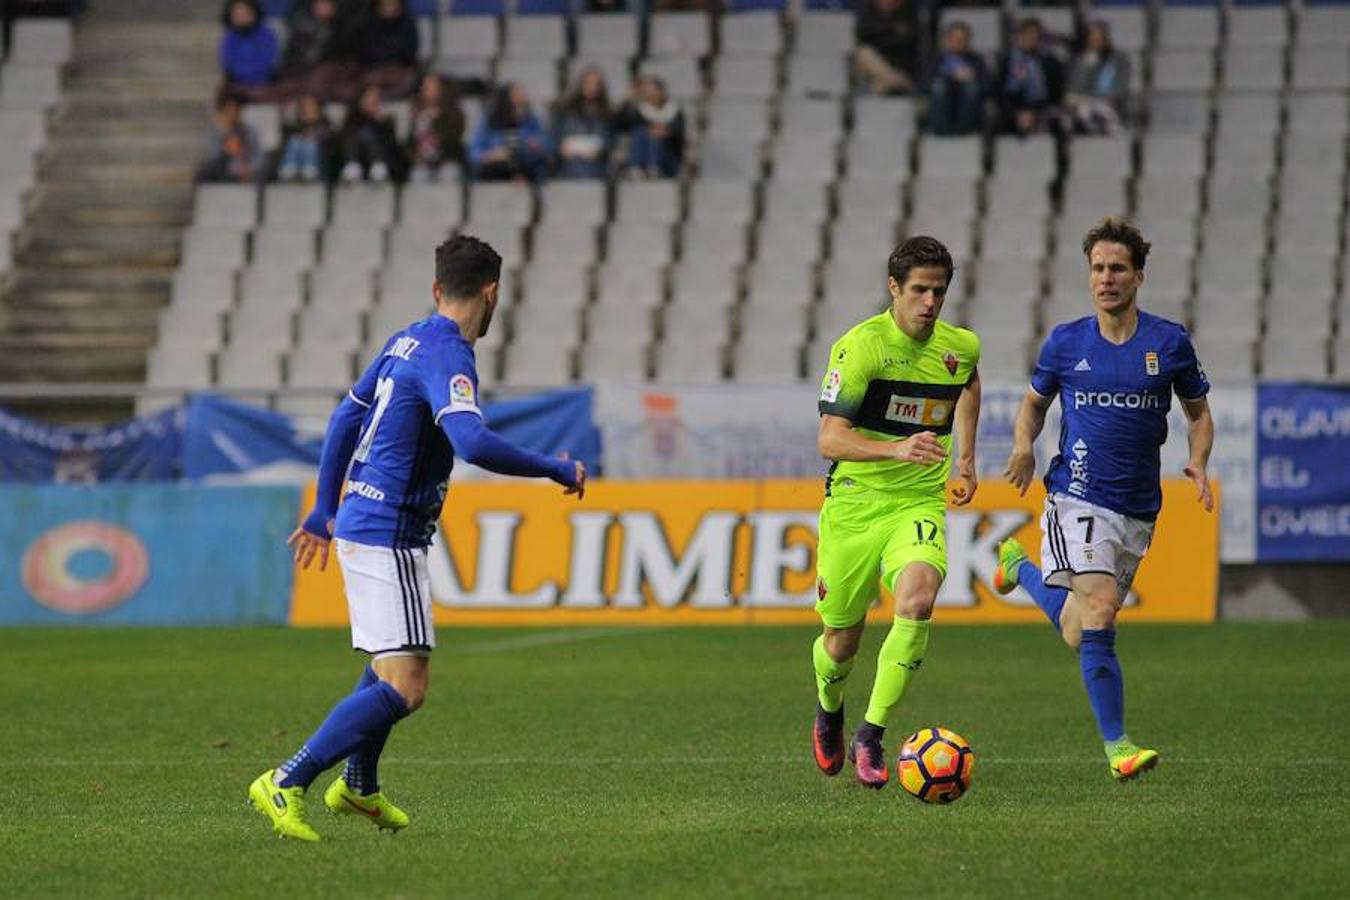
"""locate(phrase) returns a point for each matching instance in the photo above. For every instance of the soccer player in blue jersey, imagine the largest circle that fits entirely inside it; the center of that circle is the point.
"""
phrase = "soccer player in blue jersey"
(1114, 374)
(394, 439)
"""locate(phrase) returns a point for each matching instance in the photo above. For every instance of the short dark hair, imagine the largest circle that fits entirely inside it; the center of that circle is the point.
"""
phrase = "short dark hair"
(1118, 230)
(916, 252)
(465, 265)
(251, 4)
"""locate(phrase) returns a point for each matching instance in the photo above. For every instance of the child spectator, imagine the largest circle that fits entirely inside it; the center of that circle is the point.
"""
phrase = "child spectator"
(887, 35)
(389, 49)
(436, 129)
(655, 125)
(1031, 82)
(369, 144)
(1099, 83)
(583, 128)
(956, 90)
(248, 49)
(305, 151)
(510, 143)
(231, 151)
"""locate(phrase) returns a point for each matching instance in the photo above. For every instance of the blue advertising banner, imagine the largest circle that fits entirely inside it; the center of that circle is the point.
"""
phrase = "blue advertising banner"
(145, 449)
(150, 554)
(220, 441)
(1303, 492)
(222, 438)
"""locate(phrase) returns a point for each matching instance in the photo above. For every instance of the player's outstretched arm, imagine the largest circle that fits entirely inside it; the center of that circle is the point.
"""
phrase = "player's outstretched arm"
(964, 424)
(1021, 468)
(838, 441)
(474, 443)
(1200, 438)
(312, 537)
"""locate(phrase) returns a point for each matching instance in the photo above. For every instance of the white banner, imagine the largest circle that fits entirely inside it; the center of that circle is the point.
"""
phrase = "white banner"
(730, 431)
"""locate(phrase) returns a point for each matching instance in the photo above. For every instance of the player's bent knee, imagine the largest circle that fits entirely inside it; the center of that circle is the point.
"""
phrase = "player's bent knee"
(413, 692)
(1098, 610)
(915, 606)
(842, 644)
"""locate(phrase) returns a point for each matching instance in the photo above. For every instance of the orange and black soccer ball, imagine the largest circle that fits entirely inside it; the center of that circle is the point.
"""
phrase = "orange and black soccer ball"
(935, 765)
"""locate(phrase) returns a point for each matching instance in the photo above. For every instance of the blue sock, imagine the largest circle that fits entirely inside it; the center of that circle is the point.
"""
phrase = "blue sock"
(1105, 685)
(359, 717)
(361, 773)
(1049, 599)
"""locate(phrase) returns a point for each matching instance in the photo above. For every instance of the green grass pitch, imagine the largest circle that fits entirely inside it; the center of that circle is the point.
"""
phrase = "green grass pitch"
(676, 763)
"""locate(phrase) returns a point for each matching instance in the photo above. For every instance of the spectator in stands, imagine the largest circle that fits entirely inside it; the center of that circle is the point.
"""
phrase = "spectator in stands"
(510, 143)
(956, 89)
(321, 54)
(389, 49)
(583, 128)
(887, 35)
(248, 49)
(1099, 83)
(369, 143)
(304, 155)
(1030, 82)
(655, 126)
(436, 129)
(231, 150)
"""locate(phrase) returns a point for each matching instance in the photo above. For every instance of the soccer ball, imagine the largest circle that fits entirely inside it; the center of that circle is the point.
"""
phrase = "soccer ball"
(935, 765)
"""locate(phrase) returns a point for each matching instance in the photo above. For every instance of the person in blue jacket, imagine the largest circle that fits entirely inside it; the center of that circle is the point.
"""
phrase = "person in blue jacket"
(510, 143)
(248, 49)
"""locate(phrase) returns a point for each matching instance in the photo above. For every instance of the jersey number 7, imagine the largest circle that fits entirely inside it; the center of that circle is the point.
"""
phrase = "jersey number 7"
(384, 389)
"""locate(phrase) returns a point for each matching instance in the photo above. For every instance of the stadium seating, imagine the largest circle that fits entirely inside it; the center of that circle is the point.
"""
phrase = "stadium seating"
(774, 239)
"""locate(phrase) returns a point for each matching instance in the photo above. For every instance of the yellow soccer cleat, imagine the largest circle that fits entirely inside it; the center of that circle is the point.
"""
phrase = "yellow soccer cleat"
(342, 800)
(1011, 555)
(285, 807)
(1131, 762)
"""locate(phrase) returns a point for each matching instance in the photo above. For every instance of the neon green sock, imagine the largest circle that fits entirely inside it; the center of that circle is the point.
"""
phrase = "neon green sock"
(900, 657)
(830, 676)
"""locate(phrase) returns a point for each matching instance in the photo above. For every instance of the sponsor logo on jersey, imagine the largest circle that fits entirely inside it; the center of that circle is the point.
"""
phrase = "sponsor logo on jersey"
(821, 589)
(1083, 366)
(952, 362)
(1116, 400)
(369, 491)
(1151, 363)
(918, 410)
(834, 379)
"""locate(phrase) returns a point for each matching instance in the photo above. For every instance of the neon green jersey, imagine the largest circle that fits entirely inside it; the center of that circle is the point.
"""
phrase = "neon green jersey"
(890, 387)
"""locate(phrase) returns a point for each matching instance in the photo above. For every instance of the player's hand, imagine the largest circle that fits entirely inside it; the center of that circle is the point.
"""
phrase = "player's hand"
(307, 544)
(963, 490)
(578, 485)
(922, 448)
(1204, 493)
(1021, 470)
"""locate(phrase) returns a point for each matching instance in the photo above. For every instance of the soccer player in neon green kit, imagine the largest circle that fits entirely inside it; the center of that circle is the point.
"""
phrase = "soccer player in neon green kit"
(899, 384)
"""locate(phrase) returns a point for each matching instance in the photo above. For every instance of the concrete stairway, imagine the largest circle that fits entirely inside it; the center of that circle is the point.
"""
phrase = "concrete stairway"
(94, 260)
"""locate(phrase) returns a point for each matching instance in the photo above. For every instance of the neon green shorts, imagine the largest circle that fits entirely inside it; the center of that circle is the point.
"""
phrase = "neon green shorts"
(862, 541)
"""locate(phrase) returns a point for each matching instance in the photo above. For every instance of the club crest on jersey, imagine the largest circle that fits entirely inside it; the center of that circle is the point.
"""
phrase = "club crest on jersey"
(1151, 363)
(951, 361)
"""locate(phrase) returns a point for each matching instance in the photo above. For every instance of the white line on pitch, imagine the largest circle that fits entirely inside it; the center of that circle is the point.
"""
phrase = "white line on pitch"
(549, 638)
